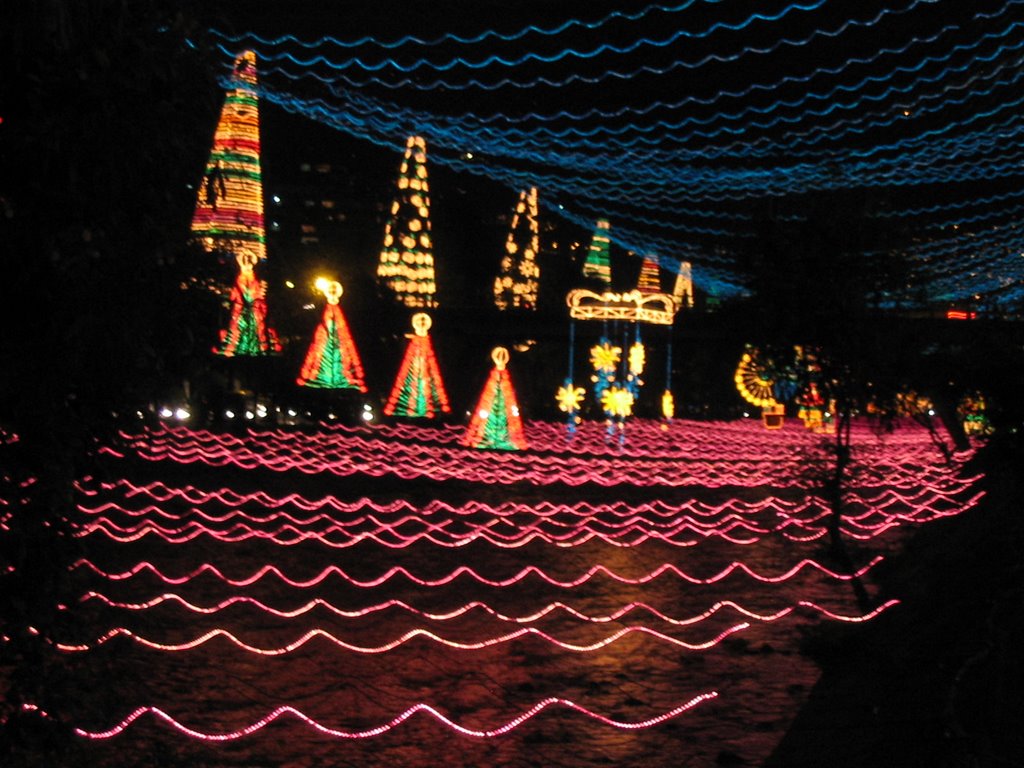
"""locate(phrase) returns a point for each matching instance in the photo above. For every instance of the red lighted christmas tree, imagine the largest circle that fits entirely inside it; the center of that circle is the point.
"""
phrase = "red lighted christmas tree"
(229, 208)
(650, 278)
(418, 391)
(247, 332)
(496, 423)
(332, 361)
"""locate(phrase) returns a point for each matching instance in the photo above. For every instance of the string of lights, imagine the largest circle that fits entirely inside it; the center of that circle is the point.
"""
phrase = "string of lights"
(381, 729)
(411, 635)
(935, 104)
(455, 613)
(337, 69)
(527, 572)
(383, 458)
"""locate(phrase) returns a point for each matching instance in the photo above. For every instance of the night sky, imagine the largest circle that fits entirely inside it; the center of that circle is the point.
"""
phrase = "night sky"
(687, 123)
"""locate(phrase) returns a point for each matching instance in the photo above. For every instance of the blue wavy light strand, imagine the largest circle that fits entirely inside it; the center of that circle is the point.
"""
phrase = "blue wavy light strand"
(677, 176)
(532, 57)
(408, 83)
(487, 35)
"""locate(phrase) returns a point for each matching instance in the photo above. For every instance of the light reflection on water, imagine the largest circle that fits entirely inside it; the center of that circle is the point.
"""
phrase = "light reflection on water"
(761, 678)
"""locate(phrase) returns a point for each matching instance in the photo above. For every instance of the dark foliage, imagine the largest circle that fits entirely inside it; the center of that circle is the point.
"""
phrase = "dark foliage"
(105, 104)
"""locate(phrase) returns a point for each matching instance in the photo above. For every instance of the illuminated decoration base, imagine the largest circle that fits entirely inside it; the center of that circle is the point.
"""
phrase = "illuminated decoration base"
(229, 207)
(633, 306)
(332, 361)
(406, 264)
(516, 285)
(247, 333)
(773, 416)
(496, 423)
(418, 391)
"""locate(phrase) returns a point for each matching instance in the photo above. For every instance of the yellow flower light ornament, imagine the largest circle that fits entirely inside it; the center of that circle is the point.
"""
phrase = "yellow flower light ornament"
(605, 357)
(617, 402)
(569, 398)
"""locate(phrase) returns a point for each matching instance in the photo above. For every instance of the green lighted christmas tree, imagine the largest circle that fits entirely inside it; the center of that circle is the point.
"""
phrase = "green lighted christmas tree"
(248, 333)
(332, 361)
(406, 264)
(418, 391)
(516, 284)
(598, 263)
(496, 423)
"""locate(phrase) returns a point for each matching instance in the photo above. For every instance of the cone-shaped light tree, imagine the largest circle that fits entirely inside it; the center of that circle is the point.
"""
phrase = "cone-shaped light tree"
(598, 264)
(496, 423)
(229, 208)
(406, 264)
(418, 391)
(248, 333)
(516, 284)
(332, 361)
(682, 291)
(650, 279)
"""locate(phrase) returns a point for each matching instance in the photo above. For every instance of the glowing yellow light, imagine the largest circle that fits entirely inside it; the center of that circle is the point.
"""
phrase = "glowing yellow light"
(668, 405)
(605, 357)
(753, 382)
(637, 358)
(617, 402)
(569, 398)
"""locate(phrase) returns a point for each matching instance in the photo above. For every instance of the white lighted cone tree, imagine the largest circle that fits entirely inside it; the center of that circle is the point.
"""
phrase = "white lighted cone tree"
(517, 282)
(406, 264)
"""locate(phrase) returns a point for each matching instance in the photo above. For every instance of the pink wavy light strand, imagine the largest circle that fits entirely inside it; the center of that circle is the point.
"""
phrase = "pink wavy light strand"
(421, 707)
(530, 570)
(405, 638)
(485, 608)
